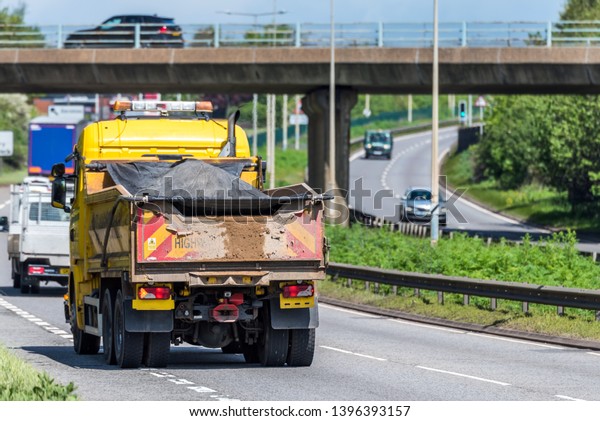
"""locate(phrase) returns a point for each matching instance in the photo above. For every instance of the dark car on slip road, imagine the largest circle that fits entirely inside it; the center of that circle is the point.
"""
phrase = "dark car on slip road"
(120, 32)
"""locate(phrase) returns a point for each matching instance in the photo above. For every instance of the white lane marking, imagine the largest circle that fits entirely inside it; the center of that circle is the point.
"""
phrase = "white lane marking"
(187, 383)
(36, 320)
(343, 351)
(358, 313)
(444, 329)
(594, 353)
(3, 205)
(343, 310)
(518, 341)
(569, 398)
(463, 375)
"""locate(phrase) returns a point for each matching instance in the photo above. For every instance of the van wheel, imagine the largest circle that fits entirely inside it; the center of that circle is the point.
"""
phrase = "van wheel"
(129, 346)
(301, 348)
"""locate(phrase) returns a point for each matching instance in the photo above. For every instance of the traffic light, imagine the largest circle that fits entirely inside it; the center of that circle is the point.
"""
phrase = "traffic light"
(462, 111)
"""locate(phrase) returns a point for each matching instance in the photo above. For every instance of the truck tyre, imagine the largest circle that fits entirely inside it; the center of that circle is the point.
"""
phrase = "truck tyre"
(24, 288)
(302, 347)
(108, 337)
(35, 287)
(156, 349)
(84, 343)
(129, 346)
(273, 344)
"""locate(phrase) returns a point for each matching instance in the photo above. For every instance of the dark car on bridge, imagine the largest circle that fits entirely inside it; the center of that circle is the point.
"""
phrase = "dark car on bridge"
(378, 143)
(416, 207)
(120, 32)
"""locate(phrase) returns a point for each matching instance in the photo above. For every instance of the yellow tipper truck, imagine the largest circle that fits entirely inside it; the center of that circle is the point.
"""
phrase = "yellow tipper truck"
(173, 240)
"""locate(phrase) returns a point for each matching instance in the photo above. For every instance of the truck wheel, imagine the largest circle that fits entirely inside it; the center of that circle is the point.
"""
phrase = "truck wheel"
(302, 347)
(232, 348)
(84, 343)
(156, 349)
(108, 337)
(129, 346)
(273, 344)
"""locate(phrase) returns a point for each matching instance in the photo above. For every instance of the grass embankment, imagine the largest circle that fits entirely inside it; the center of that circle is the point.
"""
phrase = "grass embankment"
(557, 264)
(11, 176)
(20, 382)
(533, 203)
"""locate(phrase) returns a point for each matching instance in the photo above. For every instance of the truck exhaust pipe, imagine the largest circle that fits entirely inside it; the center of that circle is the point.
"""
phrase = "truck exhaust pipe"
(230, 147)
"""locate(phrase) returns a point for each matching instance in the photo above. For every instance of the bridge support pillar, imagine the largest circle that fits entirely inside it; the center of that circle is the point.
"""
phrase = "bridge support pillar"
(316, 106)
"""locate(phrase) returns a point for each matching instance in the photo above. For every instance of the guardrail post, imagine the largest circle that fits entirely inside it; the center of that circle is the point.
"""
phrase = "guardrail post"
(298, 43)
(137, 36)
(489, 241)
(494, 304)
(367, 285)
(549, 34)
(349, 282)
(395, 289)
(560, 310)
(466, 300)
(417, 292)
(440, 297)
(598, 316)
(380, 35)
(217, 35)
(376, 287)
(463, 35)
(59, 35)
(594, 256)
(525, 307)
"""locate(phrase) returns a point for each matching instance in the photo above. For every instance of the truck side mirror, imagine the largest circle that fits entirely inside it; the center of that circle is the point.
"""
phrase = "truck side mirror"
(59, 194)
(3, 223)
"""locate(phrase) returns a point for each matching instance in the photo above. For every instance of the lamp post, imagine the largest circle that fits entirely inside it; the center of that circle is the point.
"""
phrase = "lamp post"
(253, 15)
(332, 182)
(435, 132)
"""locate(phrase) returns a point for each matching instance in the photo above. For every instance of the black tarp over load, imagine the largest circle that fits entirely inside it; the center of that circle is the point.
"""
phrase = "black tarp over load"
(195, 186)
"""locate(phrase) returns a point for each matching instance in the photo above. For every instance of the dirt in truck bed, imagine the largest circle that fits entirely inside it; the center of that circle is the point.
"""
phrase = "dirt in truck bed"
(245, 239)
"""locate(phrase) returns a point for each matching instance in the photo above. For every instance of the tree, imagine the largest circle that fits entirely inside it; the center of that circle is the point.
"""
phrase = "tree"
(581, 10)
(15, 113)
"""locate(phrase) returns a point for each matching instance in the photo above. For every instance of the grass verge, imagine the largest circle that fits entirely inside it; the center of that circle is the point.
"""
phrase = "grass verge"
(558, 263)
(533, 203)
(20, 382)
(11, 176)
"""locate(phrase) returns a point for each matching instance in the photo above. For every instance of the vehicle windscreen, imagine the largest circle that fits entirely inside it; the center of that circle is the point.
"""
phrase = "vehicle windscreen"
(420, 195)
(46, 212)
(378, 139)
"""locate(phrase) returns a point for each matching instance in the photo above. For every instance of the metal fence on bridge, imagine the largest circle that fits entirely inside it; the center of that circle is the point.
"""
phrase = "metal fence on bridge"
(306, 35)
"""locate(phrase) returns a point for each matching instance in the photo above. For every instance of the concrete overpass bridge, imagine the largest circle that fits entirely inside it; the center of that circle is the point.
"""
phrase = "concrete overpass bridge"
(539, 70)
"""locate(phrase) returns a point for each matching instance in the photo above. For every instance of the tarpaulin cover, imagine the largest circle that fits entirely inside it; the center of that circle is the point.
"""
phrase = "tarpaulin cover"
(188, 179)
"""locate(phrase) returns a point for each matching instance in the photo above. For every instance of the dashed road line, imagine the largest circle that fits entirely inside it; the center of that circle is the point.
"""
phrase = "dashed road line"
(343, 351)
(568, 398)
(36, 320)
(452, 373)
(187, 383)
(3, 205)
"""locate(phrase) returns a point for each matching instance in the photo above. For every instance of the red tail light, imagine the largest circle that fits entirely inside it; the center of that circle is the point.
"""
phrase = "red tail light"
(302, 290)
(154, 293)
(163, 30)
(35, 270)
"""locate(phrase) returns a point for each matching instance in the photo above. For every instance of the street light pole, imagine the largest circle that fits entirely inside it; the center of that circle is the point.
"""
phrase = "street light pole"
(435, 132)
(332, 180)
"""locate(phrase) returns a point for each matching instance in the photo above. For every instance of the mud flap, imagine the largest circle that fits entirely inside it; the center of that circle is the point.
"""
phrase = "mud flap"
(147, 320)
(297, 318)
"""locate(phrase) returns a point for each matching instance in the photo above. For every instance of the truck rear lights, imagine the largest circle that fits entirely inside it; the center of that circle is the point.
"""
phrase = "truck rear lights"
(163, 30)
(35, 270)
(302, 290)
(154, 293)
(225, 313)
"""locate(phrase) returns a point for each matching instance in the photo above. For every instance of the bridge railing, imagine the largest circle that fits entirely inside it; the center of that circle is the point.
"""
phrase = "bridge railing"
(306, 35)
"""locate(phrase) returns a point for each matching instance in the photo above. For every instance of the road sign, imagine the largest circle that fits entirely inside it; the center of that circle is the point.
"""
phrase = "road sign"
(66, 111)
(481, 102)
(301, 119)
(6, 143)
